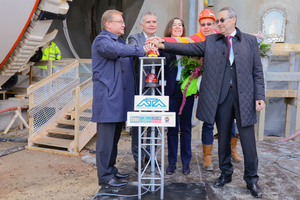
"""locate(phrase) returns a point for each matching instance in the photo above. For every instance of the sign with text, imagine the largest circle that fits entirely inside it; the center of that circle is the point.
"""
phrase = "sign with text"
(153, 103)
(160, 119)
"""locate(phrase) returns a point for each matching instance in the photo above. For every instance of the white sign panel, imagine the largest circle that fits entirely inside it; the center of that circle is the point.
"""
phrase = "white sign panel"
(166, 119)
(151, 103)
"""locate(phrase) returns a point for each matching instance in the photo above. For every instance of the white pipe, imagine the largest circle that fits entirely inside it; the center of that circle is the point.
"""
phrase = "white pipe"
(192, 17)
(67, 36)
(200, 8)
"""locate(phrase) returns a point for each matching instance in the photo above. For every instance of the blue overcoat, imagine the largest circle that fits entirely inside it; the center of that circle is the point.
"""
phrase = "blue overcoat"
(113, 80)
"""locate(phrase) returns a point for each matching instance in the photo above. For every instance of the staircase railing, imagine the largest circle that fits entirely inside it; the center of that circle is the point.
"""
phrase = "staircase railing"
(61, 99)
(52, 96)
(83, 112)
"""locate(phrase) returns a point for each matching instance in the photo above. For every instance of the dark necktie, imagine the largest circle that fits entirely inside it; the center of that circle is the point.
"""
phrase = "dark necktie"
(229, 44)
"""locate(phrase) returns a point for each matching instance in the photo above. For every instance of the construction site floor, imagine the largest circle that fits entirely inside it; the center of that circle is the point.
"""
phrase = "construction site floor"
(39, 175)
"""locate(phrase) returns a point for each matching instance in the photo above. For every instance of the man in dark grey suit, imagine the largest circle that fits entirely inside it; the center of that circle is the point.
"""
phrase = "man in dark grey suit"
(232, 86)
(149, 27)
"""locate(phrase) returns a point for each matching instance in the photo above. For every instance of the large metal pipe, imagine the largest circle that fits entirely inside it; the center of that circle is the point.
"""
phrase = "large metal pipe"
(200, 8)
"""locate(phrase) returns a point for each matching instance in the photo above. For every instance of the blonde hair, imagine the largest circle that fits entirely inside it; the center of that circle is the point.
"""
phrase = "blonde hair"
(108, 16)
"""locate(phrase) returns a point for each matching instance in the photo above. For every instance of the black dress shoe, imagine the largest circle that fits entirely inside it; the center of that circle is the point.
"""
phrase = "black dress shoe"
(254, 189)
(121, 176)
(222, 180)
(115, 183)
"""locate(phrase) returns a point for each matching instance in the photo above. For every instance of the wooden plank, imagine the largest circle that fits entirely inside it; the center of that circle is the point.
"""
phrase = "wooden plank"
(55, 142)
(52, 151)
(63, 62)
(261, 124)
(281, 93)
(83, 107)
(66, 115)
(290, 101)
(272, 138)
(282, 76)
(85, 136)
(86, 114)
(77, 108)
(62, 131)
(66, 122)
(288, 115)
(83, 85)
(297, 113)
(30, 117)
(286, 47)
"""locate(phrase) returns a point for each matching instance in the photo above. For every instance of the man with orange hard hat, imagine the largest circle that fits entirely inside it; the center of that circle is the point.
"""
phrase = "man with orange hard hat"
(207, 27)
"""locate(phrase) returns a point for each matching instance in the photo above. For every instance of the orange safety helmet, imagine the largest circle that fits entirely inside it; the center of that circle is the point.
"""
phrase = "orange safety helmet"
(207, 13)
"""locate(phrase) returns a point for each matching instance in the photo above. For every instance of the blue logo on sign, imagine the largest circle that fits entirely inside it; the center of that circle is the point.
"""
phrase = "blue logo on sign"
(151, 102)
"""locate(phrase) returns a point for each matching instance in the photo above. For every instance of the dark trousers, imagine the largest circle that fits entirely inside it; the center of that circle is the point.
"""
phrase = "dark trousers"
(183, 122)
(135, 142)
(208, 135)
(226, 112)
(108, 135)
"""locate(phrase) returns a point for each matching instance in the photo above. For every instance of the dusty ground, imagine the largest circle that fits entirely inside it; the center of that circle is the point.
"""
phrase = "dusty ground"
(39, 175)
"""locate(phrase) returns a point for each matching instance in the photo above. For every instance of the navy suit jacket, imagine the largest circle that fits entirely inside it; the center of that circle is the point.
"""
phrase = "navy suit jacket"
(113, 88)
(170, 73)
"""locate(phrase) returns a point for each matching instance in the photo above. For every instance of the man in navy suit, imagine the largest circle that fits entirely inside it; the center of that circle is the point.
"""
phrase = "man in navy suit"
(113, 93)
(149, 27)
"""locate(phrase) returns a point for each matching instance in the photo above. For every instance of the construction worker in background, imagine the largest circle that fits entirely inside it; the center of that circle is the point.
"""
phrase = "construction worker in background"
(207, 27)
(51, 52)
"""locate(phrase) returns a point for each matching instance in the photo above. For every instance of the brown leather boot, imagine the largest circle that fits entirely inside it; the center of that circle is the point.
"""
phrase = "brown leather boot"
(235, 157)
(207, 157)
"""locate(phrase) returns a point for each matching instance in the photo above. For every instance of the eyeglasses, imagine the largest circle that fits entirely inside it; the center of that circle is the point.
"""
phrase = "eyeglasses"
(120, 22)
(208, 24)
(222, 20)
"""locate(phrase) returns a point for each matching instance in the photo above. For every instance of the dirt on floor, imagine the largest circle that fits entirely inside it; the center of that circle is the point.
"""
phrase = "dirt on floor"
(37, 175)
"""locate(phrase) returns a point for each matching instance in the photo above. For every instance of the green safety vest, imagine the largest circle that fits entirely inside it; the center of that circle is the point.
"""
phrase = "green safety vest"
(52, 53)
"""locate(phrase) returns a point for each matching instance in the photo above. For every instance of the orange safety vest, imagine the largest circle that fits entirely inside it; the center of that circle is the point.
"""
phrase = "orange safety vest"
(197, 37)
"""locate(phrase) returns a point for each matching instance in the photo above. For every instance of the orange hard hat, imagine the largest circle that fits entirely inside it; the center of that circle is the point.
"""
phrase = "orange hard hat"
(207, 13)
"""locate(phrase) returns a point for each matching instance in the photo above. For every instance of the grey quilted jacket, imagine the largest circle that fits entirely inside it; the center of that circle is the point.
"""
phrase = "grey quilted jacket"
(250, 80)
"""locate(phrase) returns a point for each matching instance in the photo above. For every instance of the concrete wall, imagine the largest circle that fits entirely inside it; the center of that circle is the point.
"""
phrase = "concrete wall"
(165, 10)
(249, 14)
(249, 20)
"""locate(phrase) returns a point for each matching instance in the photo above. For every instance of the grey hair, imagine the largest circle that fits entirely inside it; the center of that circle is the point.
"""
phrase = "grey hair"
(147, 13)
(231, 12)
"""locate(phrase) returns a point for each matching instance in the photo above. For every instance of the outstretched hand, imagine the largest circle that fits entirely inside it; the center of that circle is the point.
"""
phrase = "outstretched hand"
(150, 47)
(156, 42)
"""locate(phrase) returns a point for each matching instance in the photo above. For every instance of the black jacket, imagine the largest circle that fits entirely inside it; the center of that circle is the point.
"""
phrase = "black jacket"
(250, 79)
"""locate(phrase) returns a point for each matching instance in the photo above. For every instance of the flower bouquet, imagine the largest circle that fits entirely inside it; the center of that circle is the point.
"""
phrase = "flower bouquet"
(265, 46)
(191, 71)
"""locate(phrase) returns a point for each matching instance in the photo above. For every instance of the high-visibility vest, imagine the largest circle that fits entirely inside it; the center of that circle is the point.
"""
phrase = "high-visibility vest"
(52, 53)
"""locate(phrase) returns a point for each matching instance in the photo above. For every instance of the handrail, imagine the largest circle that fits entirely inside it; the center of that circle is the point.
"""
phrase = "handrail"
(83, 85)
(77, 113)
(282, 76)
(40, 84)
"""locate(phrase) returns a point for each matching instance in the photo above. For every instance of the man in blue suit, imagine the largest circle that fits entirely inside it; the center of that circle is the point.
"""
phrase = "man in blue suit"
(113, 93)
